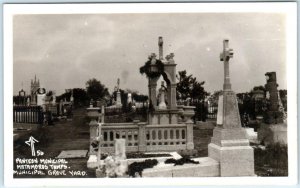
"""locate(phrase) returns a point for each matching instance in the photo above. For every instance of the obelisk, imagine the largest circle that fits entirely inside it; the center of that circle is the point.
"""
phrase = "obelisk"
(229, 144)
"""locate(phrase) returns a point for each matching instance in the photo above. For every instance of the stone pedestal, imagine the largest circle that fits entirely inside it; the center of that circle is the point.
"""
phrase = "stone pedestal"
(94, 114)
(188, 113)
(189, 136)
(231, 148)
(236, 157)
(229, 144)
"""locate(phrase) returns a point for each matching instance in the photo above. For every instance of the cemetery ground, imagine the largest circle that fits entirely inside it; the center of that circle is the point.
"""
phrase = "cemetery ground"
(74, 135)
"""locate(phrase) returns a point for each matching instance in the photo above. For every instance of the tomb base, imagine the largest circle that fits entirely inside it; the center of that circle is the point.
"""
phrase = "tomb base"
(230, 147)
(272, 133)
(234, 160)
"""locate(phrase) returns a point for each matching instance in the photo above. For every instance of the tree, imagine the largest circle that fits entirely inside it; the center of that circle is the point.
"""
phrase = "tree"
(189, 87)
(261, 88)
(96, 90)
(139, 97)
(80, 96)
(65, 96)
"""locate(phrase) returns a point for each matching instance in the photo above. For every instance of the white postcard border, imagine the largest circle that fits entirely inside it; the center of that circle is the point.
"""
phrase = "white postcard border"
(288, 8)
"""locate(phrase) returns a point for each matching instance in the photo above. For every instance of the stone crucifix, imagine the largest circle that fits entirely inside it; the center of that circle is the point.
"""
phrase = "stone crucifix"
(225, 56)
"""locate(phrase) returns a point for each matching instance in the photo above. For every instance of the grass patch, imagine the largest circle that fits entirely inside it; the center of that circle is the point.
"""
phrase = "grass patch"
(273, 161)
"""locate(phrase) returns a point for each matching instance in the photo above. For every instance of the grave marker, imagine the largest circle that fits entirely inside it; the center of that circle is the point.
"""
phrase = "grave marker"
(229, 144)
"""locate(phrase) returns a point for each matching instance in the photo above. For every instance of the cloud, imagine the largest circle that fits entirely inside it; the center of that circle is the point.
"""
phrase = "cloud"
(67, 50)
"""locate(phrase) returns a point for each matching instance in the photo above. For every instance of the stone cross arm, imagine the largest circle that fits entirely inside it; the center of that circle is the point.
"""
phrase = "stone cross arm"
(227, 53)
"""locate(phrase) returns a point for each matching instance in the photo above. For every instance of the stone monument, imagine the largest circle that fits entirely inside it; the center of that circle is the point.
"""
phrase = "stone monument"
(274, 128)
(272, 115)
(166, 110)
(118, 99)
(229, 144)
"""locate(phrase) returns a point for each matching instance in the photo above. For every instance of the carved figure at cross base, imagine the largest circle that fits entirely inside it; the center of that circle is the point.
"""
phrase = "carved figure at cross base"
(162, 94)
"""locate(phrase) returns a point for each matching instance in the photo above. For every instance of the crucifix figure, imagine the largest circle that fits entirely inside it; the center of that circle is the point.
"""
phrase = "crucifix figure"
(225, 56)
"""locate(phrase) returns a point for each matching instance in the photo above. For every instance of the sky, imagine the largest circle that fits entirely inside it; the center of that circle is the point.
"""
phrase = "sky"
(65, 51)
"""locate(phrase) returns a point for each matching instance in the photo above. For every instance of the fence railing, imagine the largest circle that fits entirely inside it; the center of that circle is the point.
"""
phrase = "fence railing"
(28, 114)
(142, 137)
(212, 112)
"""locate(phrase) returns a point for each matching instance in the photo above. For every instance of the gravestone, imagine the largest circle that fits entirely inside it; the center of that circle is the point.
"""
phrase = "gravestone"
(114, 166)
(229, 144)
(118, 98)
(120, 148)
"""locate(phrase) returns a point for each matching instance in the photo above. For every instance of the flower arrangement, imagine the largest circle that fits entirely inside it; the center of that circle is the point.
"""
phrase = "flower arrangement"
(146, 68)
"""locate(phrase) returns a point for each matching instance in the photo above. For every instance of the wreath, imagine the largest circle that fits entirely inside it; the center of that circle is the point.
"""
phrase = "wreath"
(146, 69)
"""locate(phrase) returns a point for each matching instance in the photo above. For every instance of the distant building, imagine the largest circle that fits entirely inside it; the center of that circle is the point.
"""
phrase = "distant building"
(35, 85)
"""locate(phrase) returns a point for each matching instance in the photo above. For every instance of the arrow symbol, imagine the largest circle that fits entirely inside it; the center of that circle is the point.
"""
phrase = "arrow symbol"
(30, 143)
